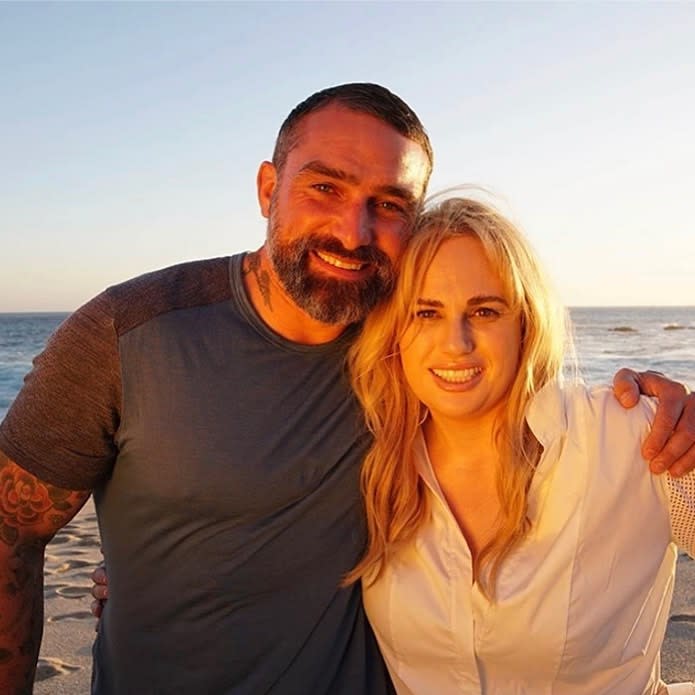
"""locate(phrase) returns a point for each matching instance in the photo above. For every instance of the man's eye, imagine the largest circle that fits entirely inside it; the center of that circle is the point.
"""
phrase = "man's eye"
(390, 206)
(322, 187)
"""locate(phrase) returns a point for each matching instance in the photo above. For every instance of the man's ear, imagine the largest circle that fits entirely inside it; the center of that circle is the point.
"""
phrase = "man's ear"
(265, 186)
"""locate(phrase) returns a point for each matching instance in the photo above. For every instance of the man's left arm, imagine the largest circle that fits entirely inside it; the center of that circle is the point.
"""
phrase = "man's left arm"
(671, 442)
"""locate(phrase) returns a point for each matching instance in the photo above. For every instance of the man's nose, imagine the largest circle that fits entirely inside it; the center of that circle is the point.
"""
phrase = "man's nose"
(355, 226)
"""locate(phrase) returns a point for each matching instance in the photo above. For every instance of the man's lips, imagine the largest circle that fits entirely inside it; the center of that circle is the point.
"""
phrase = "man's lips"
(340, 262)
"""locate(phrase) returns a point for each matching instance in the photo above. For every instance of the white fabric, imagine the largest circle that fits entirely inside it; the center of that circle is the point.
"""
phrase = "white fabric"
(679, 689)
(582, 603)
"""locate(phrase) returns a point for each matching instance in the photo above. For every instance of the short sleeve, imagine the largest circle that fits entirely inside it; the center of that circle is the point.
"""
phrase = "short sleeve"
(62, 424)
(681, 492)
(677, 493)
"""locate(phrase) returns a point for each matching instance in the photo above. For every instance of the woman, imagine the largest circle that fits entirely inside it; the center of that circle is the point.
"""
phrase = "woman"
(518, 543)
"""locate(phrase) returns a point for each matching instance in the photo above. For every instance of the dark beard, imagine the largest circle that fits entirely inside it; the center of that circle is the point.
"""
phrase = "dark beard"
(330, 300)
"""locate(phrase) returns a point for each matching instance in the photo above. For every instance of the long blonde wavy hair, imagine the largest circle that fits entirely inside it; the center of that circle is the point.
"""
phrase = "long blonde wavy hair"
(394, 494)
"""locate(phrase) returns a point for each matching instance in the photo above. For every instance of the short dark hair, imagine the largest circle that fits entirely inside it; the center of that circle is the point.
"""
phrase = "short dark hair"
(363, 97)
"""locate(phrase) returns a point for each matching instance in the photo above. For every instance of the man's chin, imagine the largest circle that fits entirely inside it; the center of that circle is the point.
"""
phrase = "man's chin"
(328, 310)
(334, 301)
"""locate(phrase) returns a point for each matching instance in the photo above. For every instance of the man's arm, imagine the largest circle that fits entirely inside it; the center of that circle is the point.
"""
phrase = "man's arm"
(31, 512)
(671, 442)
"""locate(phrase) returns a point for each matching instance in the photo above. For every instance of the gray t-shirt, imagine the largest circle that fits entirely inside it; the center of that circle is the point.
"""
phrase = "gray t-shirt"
(224, 461)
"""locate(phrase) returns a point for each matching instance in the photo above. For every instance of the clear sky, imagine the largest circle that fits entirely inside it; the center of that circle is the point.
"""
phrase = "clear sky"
(130, 133)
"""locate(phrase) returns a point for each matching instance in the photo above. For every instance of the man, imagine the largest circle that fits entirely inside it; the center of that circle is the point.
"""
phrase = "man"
(207, 409)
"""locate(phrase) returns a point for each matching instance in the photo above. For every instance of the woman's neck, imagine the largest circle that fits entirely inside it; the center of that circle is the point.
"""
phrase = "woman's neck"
(469, 446)
(465, 462)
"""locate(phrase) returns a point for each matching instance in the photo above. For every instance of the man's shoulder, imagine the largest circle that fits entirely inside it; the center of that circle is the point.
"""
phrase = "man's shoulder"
(142, 298)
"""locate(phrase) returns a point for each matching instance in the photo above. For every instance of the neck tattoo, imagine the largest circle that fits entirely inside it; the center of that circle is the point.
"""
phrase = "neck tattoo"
(253, 265)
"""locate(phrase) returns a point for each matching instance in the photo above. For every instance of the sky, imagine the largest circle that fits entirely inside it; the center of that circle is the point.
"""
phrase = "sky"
(131, 132)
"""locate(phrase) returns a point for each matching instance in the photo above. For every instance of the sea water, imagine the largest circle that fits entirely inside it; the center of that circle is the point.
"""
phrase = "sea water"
(658, 338)
(606, 338)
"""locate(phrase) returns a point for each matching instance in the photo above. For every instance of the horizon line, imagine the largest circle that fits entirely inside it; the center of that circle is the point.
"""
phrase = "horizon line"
(37, 312)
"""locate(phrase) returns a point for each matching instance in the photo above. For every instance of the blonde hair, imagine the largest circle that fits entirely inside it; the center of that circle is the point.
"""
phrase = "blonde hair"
(394, 493)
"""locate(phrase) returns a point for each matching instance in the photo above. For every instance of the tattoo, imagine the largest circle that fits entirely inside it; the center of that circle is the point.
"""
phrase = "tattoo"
(252, 261)
(31, 511)
(253, 265)
(26, 501)
(24, 589)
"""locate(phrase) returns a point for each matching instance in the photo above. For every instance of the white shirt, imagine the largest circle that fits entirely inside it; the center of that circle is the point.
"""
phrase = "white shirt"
(582, 603)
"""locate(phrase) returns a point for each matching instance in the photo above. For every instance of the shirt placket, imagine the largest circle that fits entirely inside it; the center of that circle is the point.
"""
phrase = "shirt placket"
(467, 614)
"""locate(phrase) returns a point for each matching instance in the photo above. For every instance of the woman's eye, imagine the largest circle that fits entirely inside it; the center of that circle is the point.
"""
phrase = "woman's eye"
(425, 314)
(484, 312)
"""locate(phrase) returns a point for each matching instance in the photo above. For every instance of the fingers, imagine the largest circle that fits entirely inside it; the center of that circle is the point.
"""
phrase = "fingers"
(99, 575)
(670, 444)
(626, 387)
(97, 607)
(100, 592)
(100, 588)
(678, 455)
(662, 446)
(668, 439)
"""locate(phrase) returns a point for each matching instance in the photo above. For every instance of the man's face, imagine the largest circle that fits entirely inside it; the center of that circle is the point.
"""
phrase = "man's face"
(340, 211)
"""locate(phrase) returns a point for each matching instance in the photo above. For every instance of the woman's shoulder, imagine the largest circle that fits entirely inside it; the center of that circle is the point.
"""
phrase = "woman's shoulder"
(597, 406)
(581, 411)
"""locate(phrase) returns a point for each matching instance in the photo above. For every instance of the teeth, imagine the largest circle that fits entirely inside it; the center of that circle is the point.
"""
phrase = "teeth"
(457, 376)
(339, 263)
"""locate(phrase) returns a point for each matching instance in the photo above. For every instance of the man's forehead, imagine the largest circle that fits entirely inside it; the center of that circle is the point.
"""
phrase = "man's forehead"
(337, 121)
(358, 144)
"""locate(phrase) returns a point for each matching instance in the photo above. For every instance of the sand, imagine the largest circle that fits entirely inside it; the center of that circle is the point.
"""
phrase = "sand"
(65, 662)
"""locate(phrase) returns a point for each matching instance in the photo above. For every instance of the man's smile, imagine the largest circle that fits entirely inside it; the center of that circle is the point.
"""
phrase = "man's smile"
(342, 263)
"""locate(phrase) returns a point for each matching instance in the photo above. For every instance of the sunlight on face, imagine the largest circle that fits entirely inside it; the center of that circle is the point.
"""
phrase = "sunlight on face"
(340, 212)
(460, 353)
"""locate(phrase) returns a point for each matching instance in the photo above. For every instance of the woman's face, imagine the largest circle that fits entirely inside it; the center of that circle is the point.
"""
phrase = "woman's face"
(460, 353)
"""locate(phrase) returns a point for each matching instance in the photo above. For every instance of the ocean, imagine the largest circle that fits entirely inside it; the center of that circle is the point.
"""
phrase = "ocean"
(607, 338)
(22, 337)
(659, 338)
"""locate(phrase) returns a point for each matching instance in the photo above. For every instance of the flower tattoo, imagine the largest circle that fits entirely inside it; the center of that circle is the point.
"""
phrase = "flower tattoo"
(25, 501)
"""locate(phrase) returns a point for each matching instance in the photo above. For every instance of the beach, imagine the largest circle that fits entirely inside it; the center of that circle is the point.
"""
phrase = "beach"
(66, 657)
(65, 662)
(661, 338)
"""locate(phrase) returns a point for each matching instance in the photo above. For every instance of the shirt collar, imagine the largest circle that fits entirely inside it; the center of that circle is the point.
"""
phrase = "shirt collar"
(546, 414)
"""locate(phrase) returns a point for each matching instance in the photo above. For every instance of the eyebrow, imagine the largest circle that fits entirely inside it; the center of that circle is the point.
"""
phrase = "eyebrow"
(487, 298)
(429, 302)
(316, 166)
(473, 301)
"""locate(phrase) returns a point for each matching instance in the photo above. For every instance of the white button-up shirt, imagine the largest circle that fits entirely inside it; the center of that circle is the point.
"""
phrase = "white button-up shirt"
(581, 604)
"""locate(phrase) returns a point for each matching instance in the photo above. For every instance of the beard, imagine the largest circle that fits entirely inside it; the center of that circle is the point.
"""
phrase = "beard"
(326, 299)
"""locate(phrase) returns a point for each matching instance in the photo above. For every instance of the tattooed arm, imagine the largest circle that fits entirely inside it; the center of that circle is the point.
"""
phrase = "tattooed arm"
(31, 512)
